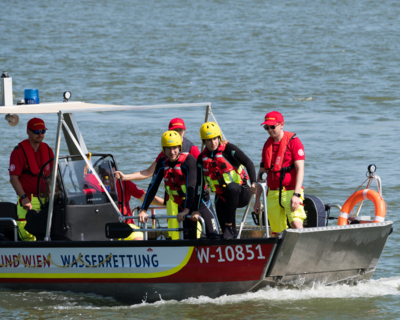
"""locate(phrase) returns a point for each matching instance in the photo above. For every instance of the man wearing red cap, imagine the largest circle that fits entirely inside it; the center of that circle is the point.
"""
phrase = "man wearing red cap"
(25, 163)
(283, 159)
(178, 125)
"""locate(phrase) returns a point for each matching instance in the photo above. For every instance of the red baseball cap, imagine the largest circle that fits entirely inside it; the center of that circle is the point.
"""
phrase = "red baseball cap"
(36, 124)
(272, 118)
(177, 123)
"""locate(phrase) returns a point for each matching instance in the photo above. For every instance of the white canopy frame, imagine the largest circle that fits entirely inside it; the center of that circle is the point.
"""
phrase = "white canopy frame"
(80, 144)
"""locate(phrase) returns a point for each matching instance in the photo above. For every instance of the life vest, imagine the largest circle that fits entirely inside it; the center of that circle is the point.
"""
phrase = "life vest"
(27, 149)
(175, 180)
(219, 172)
(277, 166)
(280, 156)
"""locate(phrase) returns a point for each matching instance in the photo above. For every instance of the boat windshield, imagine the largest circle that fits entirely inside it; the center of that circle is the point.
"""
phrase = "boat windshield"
(77, 185)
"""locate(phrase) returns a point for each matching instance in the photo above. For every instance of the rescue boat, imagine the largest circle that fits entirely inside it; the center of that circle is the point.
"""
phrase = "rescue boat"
(71, 256)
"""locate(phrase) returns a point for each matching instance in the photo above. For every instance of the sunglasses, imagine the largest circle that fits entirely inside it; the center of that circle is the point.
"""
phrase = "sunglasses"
(271, 127)
(38, 131)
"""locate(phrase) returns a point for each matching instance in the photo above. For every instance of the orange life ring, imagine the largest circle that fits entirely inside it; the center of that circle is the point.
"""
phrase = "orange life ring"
(356, 197)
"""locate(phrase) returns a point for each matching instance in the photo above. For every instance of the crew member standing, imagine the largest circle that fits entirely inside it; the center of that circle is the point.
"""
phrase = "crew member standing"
(178, 125)
(26, 160)
(221, 166)
(283, 159)
(179, 172)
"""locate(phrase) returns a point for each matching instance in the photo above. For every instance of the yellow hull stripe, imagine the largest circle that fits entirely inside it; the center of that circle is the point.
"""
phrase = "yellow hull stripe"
(88, 275)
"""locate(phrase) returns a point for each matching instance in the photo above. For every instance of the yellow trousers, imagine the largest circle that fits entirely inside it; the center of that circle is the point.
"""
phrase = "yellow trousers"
(21, 212)
(134, 235)
(277, 215)
(173, 210)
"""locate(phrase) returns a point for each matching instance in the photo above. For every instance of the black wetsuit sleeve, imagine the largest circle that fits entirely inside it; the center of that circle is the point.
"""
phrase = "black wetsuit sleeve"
(199, 184)
(189, 168)
(234, 155)
(154, 184)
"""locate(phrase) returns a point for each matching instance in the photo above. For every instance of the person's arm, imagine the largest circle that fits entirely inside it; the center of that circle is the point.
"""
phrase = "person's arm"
(157, 201)
(299, 165)
(233, 151)
(191, 178)
(140, 175)
(152, 190)
(25, 203)
(16, 164)
(199, 184)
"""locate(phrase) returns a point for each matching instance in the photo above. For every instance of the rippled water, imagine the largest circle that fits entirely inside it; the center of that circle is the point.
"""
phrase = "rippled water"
(331, 67)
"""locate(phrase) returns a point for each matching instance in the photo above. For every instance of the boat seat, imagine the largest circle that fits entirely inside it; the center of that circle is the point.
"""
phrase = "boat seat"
(8, 210)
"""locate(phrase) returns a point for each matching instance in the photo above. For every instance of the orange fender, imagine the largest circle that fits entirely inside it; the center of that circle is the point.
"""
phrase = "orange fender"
(356, 197)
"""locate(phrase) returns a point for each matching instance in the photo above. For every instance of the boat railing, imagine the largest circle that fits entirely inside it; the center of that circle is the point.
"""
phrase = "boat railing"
(154, 217)
(264, 192)
(328, 207)
(15, 226)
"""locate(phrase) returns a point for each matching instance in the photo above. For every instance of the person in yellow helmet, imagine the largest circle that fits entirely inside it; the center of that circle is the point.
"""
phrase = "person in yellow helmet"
(221, 166)
(178, 125)
(179, 172)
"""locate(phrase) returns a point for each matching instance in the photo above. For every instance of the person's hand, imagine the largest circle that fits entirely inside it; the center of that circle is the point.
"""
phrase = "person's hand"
(253, 188)
(143, 217)
(119, 175)
(195, 216)
(182, 215)
(257, 206)
(26, 204)
(296, 201)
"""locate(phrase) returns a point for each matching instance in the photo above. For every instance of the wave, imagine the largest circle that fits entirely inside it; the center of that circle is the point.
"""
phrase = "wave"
(368, 289)
(278, 295)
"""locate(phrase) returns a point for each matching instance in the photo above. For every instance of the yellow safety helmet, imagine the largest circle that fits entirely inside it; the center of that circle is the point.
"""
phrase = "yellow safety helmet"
(171, 139)
(210, 130)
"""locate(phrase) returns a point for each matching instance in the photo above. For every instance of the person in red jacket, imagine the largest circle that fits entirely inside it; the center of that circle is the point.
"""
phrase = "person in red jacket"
(26, 160)
(178, 125)
(132, 190)
(283, 159)
(92, 186)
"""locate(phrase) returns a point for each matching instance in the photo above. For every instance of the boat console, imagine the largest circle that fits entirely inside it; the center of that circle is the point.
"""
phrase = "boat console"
(81, 207)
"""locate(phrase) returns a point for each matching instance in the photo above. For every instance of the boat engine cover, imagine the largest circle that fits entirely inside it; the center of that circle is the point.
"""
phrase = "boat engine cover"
(315, 211)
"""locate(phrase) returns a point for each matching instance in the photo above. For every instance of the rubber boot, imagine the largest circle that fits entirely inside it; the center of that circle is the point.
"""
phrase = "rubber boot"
(230, 233)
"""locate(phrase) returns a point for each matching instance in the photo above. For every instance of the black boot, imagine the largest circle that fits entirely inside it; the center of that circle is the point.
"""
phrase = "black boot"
(230, 233)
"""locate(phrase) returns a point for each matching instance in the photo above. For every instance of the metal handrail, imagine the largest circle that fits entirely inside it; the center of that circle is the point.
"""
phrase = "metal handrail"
(153, 214)
(378, 181)
(334, 206)
(145, 230)
(264, 193)
(245, 216)
(15, 226)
